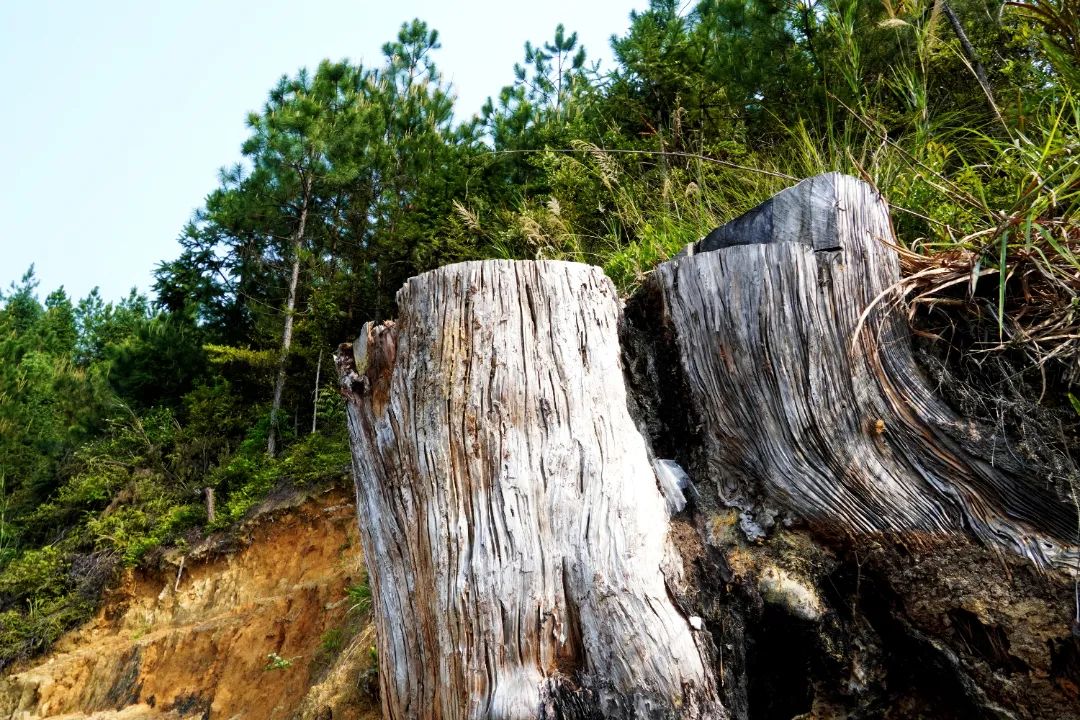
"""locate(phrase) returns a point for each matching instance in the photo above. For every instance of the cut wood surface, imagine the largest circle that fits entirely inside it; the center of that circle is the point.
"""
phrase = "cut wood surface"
(513, 525)
(799, 365)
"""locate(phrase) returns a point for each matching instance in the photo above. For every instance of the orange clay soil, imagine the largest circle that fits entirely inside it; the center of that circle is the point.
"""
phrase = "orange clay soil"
(243, 634)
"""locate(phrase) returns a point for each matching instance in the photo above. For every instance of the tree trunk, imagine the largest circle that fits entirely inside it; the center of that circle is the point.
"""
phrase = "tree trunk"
(315, 403)
(290, 309)
(211, 506)
(971, 56)
(847, 543)
(515, 533)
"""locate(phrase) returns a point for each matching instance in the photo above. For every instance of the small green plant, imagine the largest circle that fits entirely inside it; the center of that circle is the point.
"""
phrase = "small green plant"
(276, 662)
(332, 641)
(141, 630)
(360, 596)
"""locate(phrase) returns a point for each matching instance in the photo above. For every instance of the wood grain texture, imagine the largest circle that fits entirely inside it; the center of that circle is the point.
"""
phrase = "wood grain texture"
(512, 520)
(800, 403)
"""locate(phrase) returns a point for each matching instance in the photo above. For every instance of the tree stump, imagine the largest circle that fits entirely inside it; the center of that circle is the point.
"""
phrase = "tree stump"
(519, 533)
(512, 522)
(802, 376)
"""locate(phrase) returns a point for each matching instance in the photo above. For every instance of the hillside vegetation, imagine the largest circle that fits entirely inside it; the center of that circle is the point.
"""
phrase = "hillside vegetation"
(118, 419)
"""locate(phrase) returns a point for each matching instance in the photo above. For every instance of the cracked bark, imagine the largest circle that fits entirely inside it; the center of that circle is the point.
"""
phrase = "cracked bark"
(810, 402)
(513, 525)
(849, 547)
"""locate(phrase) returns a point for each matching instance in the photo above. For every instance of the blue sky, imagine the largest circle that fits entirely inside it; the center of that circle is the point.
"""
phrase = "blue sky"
(117, 115)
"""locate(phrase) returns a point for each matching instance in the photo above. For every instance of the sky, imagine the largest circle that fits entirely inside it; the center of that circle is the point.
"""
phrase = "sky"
(117, 115)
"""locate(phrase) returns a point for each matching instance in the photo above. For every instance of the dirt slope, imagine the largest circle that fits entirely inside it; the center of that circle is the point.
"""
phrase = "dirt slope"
(243, 631)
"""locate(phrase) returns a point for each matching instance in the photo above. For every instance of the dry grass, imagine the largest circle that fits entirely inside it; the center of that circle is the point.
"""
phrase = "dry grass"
(1035, 304)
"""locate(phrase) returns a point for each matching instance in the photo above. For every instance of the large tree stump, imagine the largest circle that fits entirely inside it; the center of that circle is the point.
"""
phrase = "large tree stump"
(800, 370)
(515, 533)
(887, 558)
(519, 544)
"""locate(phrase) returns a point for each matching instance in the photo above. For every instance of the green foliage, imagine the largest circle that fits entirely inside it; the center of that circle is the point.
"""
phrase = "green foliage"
(1059, 21)
(26, 633)
(34, 573)
(249, 475)
(249, 478)
(133, 531)
(276, 662)
(332, 641)
(159, 362)
(360, 597)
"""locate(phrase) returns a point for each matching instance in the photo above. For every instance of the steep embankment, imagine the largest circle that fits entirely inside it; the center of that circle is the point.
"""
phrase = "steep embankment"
(257, 625)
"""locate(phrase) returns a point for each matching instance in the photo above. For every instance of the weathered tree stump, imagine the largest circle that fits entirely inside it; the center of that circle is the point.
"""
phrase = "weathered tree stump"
(520, 542)
(801, 373)
(514, 530)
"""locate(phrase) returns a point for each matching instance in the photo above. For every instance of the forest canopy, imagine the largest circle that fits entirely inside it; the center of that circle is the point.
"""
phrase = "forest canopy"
(118, 418)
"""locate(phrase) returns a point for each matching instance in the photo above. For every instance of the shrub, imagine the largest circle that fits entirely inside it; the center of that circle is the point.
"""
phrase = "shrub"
(276, 662)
